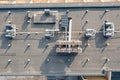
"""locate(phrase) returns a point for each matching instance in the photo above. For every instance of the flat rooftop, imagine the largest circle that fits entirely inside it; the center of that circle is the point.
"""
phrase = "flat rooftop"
(41, 53)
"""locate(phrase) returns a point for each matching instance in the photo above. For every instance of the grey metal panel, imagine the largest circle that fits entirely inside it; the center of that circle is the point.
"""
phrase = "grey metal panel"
(115, 76)
(64, 20)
